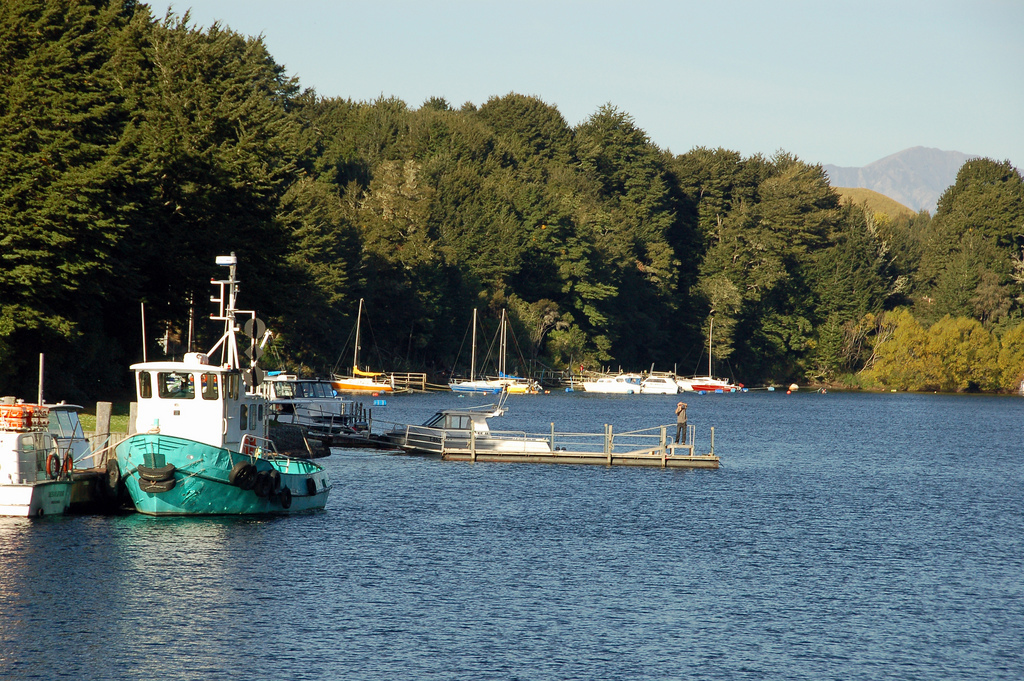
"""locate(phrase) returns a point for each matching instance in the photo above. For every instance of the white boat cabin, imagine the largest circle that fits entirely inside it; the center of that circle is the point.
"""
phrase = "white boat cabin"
(199, 401)
(464, 420)
(66, 429)
(26, 445)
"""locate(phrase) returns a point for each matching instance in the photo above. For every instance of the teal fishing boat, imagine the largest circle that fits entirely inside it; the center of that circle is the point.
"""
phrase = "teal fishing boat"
(201, 444)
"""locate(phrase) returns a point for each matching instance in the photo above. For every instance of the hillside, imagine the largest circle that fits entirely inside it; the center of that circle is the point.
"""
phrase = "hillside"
(915, 177)
(875, 202)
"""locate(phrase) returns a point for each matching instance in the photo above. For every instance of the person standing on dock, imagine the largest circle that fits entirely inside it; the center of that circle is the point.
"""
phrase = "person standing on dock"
(681, 421)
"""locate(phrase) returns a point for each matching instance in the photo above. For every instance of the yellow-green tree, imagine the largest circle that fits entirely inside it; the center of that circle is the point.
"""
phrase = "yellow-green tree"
(967, 353)
(1011, 358)
(902, 355)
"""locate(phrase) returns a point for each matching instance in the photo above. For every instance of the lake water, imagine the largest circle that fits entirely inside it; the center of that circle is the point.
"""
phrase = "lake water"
(846, 536)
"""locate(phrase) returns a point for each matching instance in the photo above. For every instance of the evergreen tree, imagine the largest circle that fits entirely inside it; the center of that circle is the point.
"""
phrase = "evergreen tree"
(62, 183)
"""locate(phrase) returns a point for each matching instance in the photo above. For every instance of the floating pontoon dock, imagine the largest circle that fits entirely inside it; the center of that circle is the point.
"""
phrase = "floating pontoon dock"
(649, 447)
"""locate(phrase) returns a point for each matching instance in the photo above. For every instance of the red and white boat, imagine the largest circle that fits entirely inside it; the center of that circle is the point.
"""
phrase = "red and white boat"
(708, 384)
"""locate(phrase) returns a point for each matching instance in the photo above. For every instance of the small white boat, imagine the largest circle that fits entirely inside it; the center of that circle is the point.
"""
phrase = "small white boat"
(309, 402)
(621, 384)
(35, 479)
(659, 385)
(464, 430)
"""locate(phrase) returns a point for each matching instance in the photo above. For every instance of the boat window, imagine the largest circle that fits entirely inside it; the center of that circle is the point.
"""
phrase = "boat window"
(457, 422)
(252, 419)
(65, 424)
(243, 416)
(32, 443)
(177, 385)
(145, 385)
(211, 386)
(435, 422)
(283, 389)
(231, 386)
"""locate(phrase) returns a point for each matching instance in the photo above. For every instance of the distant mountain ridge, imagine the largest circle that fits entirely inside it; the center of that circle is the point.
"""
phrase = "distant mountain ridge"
(915, 177)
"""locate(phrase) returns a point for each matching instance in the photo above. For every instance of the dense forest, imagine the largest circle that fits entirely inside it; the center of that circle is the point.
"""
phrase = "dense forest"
(135, 149)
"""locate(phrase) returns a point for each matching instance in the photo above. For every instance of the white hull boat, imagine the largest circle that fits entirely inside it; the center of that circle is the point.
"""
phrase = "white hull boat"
(35, 480)
(622, 384)
(659, 385)
(463, 430)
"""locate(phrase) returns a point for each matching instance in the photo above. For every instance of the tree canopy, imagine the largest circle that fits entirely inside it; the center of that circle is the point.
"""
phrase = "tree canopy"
(135, 149)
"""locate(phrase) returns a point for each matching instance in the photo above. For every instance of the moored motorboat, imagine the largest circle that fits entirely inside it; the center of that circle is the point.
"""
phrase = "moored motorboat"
(35, 479)
(463, 430)
(659, 385)
(311, 403)
(96, 484)
(201, 444)
(620, 384)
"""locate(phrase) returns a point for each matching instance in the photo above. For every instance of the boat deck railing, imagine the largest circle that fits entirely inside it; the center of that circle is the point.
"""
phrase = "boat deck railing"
(656, 441)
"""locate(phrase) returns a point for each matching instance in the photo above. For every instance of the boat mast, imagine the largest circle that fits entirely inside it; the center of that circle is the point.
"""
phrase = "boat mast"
(226, 313)
(355, 352)
(472, 367)
(504, 330)
(710, 331)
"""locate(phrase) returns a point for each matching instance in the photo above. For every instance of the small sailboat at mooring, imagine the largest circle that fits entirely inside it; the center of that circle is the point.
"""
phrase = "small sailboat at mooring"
(201, 444)
(708, 384)
(475, 385)
(362, 381)
(514, 385)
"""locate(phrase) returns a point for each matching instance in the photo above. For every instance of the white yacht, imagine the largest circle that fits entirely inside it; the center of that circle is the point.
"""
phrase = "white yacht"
(622, 384)
(659, 385)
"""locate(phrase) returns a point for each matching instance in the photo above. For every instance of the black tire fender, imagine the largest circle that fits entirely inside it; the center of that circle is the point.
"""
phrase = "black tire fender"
(156, 486)
(156, 474)
(263, 484)
(285, 495)
(311, 486)
(243, 475)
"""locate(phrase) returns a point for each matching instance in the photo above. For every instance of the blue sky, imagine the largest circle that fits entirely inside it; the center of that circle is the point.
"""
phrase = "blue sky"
(843, 82)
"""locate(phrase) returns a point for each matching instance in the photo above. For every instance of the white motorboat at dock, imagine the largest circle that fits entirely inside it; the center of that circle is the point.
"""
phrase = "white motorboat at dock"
(465, 435)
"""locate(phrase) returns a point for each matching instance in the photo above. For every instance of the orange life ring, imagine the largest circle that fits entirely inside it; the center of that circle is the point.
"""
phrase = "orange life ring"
(248, 446)
(53, 465)
(69, 463)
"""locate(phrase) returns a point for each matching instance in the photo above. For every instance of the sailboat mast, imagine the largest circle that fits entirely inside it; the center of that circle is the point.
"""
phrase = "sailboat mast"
(711, 330)
(472, 366)
(504, 329)
(355, 352)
